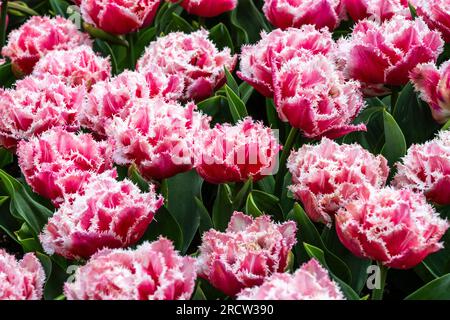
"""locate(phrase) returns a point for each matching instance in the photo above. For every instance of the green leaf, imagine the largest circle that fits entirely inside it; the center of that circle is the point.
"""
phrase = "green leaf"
(266, 203)
(222, 208)
(205, 219)
(414, 117)
(231, 82)
(135, 176)
(217, 108)
(177, 23)
(236, 105)
(318, 254)
(251, 208)
(102, 35)
(198, 294)
(438, 289)
(446, 126)
(239, 198)
(182, 190)
(308, 234)
(412, 10)
(221, 37)
(144, 38)
(107, 51)
(164, 224)
(395, 145)
(7, 77)
(245, 91)
(6, 157)
(60, 7)
(267, 184)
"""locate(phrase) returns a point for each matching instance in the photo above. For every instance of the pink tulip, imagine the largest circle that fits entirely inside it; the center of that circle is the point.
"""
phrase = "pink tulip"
(113, 98)
(236, 153)
(433, 84)
(157, 137)
(153, 271)
(426, 168)
(295, 13)
(395, 227)
(21, 280)
(281, 46)
(207, 8)
(436, 14)
(36, 105)
(246, 254)
(327, 176)
(58, 163)
(119, 16)
(310, 282)
(313, 96)
(188, 60)
(106, 213)
(36, 37)
(380, 10)
(383, 55)
(78, 66)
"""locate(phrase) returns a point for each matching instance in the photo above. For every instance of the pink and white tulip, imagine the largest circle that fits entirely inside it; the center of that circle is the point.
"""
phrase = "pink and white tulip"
(310, 282)
(296, 13)
(380, 10)
(433, 84)
(382, 55)
(119, 16)
(38, 36)
(113, 98)
(436, 14)
(58, 163)
(313, 96)
(327, 176)
(426, 169)
(78, 66)
(36, 105)
(395, 227)
(21, 280)
(236, 153)
(158, 137)
(188, 60)
(207, 8)
(280, 46)
(106, 213)
(245, 254)
(153, 271)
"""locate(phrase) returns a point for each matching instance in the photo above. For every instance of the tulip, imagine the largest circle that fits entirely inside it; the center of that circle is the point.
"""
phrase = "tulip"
(207, 8)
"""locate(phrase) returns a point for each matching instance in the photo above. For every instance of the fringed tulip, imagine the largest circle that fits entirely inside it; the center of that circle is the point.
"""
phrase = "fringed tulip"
(236, 153)
(426, 168)
(158, 137)
(58, 163)
(327, 176)
(113, 98)
(380, 10)
(207, 8)
(192, 58)
(281, 46)
(246, 254)
(119, 16)
(36, 105)
(382, 55)
(78, 66)
(39, 35)
(436, 14)
(107, 213)
(313, 96)
(153, 271)
(295, 13)
(395, 227)
(21, 280)
(433, 84)
(310, 282)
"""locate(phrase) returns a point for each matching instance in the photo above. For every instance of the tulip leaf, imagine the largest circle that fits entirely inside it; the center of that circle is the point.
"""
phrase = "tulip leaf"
(60, 7)
(231, 82)
(308, 234)
(318, 254)
(6, 157)
(198, 294)
(205, 219)
(264, 203)
(56, 276)
(7, 77)
(251, 208)
(395, 144)
(245, 91)
(236, 105)
(182, 190)
(221, 37)
(242, 193)
(438, 289)
(164, 224)
(414, 117)
(222, 208)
